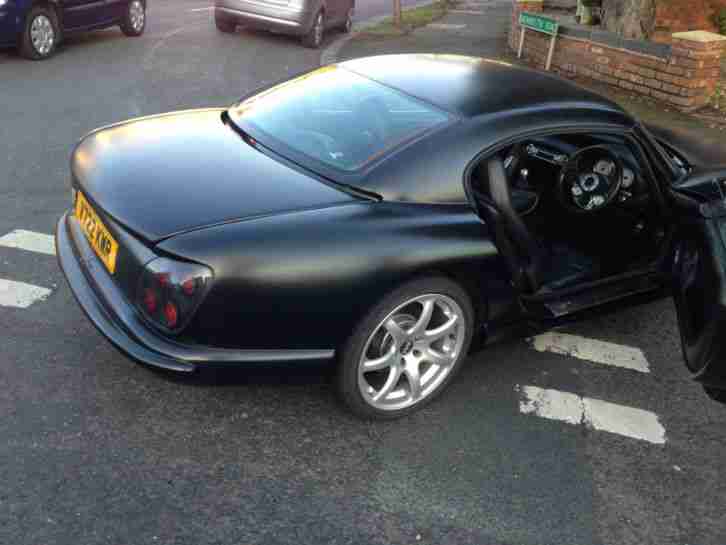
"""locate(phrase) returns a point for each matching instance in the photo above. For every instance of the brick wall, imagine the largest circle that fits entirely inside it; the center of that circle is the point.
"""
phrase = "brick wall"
(684, 15)
(684, 74)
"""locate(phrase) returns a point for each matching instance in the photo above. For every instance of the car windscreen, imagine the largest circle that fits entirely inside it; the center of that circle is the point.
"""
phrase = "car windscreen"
(336, 117)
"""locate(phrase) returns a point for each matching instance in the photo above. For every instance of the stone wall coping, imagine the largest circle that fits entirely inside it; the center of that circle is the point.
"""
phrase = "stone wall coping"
(701, 36)
(658, 58)
(615, 41)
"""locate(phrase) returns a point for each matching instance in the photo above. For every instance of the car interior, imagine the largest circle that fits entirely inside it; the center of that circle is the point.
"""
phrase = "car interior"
(569, 210)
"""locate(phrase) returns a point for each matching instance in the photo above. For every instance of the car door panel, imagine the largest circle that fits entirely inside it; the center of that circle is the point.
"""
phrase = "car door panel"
(115, 9)
(84, 13)
(698, 270)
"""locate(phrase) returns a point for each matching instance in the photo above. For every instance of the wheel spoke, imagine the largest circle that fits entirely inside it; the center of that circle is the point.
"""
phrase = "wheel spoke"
(413, 377)
(411, 345)
(395, 331)
(423, 321)
(394, 376)
(443, 329)
(437, 358)
(382, 362)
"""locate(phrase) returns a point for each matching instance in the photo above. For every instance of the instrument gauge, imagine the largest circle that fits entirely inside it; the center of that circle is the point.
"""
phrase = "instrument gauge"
(628, 178)
(604, 167)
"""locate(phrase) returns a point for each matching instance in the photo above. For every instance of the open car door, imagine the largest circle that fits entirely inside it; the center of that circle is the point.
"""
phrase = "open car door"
(698, 267)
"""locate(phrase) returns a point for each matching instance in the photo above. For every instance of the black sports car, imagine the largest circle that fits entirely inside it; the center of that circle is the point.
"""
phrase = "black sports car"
(384, 212)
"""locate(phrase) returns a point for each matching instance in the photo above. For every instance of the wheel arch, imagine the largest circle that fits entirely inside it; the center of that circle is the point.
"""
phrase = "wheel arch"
(51, 4)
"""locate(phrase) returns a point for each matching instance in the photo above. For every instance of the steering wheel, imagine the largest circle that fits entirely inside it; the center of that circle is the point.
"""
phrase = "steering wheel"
(590, 180)
(514, 159)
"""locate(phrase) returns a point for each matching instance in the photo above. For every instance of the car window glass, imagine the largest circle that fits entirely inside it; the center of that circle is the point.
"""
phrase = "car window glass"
(336, 117)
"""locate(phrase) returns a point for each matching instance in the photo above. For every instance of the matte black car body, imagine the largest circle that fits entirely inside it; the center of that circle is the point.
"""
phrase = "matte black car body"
(298, 258)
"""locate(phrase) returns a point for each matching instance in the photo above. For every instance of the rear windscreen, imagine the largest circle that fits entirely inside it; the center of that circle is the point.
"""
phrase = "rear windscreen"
(336, 117)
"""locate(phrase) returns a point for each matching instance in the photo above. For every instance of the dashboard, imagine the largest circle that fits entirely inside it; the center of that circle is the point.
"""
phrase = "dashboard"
(587, 172)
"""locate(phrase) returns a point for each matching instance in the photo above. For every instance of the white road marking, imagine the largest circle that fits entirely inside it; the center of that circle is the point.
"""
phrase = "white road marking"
(467, 11)
(208, 8)
(593, 413)
(628, 421)
(20, 295)
(551, 404)
(592, 350)
(445, 26)
(30, 241)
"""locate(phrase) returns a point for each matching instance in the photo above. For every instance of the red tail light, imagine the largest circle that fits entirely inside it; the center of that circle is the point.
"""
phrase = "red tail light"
(171, 314)
(188, 286)
(150, 299)
(170, 291)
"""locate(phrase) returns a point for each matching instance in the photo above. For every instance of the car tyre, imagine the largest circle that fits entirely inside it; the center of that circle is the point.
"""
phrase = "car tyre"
(41, 34)
(715, 394)
(377, 391)
(347, 27)
(134, 21)
(314, 38)
(223, 25)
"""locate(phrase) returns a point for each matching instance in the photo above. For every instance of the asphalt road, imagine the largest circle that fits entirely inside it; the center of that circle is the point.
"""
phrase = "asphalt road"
(95, 449)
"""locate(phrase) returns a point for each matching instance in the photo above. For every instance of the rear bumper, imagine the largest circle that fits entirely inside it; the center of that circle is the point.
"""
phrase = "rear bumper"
(289, 20)
(119, 322)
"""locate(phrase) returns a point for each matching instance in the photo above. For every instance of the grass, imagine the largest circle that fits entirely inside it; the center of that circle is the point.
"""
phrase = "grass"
(411, 19)
(718, 100)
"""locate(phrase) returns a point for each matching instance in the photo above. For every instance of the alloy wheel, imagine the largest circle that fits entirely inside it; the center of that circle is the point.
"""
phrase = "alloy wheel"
(411, 352)
(318, 31)
(42, 34)
(137, 15)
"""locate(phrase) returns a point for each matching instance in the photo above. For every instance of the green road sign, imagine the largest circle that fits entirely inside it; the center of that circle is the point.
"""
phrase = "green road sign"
(539, 23)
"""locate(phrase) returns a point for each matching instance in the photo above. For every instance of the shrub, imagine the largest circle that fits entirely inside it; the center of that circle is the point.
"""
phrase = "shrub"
(721, 21)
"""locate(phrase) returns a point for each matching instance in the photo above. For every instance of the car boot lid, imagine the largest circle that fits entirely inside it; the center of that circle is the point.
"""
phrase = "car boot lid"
(172, 173)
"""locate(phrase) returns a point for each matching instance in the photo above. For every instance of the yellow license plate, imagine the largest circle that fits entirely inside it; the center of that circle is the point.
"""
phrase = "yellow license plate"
(98, 235)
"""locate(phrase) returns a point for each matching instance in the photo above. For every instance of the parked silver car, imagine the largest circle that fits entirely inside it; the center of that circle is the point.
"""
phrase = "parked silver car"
(308, 19)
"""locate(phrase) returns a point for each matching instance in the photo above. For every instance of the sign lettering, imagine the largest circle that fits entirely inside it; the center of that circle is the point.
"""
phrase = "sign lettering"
(539, 23)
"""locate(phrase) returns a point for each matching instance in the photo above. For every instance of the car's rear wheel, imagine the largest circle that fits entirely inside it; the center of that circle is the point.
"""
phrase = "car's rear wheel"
(314, 38)
(134, 21)
(406, 350)
(348, 24)
(224, 25)
(40, 35)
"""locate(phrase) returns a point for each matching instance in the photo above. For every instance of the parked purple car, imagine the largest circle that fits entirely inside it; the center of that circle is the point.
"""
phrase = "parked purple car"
(36, 27)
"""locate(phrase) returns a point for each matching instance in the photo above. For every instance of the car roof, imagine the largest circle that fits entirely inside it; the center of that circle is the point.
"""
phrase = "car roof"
(474, 86)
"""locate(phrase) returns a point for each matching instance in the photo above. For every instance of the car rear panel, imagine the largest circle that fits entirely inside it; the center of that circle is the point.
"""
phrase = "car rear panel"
(274, 14)
(130, 260)
(100, 296)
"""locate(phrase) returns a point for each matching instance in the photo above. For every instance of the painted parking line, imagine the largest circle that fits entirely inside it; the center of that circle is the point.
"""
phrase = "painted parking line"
(445, 26)
(208, 8)
(466, 11)
(20, 294)
(29, 241)
(592, 350)
(596, 414)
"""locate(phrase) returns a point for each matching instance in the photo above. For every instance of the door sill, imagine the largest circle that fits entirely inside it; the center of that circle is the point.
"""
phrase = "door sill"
(555, 304)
